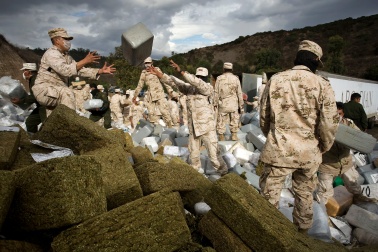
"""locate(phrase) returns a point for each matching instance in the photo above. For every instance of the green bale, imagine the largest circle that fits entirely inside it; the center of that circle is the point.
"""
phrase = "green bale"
(129, 142)
(173, 176)
(23, 157)
(222, 238)
(257, 222)
(9, 142)
(67, 129)
(18, 246)
(120, 181)
(57, 193)
(141, 155)
(152, 223)
(7, 189)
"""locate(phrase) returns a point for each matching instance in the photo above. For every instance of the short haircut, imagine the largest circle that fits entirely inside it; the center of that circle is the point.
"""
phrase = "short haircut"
(339, 105)
(355, 96)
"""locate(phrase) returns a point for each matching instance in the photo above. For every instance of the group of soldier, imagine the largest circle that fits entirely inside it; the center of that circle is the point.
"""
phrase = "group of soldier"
(298, 113)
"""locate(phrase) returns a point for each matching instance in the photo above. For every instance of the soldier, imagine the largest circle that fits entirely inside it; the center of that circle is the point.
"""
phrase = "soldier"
(228, 101)
(173, 108)
(39, 113)
(100, 115)
(200, 113)
(298, 116)
(136, 113)
(81, 95)
(355, 111)
(183, 109)
(156, 94)
(51, 84)
(116, 106)
(338, 161)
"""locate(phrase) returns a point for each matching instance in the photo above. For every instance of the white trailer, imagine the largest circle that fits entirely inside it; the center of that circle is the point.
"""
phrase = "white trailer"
(345, 86)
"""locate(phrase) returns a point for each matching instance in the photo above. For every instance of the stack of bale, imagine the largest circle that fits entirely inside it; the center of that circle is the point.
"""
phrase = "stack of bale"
(112, 196)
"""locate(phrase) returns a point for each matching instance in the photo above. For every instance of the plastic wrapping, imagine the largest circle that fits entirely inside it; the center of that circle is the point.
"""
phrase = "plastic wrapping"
(229, 159)
(320, 229)
(10, 88)
(57, 153)
(93, 104)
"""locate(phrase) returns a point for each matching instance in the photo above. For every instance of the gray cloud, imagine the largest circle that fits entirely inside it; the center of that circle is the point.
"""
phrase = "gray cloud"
(98, 25)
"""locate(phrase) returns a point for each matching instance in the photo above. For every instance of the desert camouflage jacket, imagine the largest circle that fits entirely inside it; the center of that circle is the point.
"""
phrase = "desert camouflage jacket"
(155, 88)
(299, 117)
(227, 93)
(198, 96)
(57, 67)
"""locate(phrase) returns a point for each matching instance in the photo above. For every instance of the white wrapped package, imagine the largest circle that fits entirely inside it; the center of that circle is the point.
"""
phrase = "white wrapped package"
(201, 208)
(175, 151)
(242, 155)
(229, 159)
(93, 104)
(10, 88)
(150, 141)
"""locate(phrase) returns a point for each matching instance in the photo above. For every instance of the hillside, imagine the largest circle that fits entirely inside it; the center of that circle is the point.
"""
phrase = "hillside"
(360, 51)
(359, 55)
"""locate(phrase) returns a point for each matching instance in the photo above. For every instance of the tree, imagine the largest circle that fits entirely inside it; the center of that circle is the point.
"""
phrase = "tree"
(335, 59)
(267, 60)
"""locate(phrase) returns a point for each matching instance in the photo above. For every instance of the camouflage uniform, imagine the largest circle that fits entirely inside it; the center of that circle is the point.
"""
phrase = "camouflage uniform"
(116, 104)
(136, 113)
(81, 95)
(200, 117)
(51, 84)
(157, 100)
(174, 111)
(228, 98)
(299, 117)
(337, 161)
(183, 109)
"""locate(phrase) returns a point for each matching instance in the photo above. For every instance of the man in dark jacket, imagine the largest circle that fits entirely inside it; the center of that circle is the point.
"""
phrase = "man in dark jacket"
(104, 111)
(355, 111)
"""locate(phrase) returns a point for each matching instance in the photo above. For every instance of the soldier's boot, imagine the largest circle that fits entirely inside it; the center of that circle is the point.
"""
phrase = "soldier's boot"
(362, 198)
(234, 137)
(221, 137)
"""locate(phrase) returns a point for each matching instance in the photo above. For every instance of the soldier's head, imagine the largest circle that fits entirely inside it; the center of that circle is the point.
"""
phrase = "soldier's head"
(202, 73)
(148, 62)
(355, 97)
(28, 70)
(309, 55)
(60, 38)
(227, 67)
(117, 91)
(340, 107)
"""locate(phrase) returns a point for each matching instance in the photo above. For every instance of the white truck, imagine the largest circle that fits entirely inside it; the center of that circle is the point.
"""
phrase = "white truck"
(343, 87)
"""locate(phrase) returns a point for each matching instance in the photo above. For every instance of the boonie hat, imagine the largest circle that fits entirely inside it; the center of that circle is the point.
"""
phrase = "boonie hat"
(59, 32)
(29, 66)
(148, 60)
(100, 87)
(201, 71)
(227, 65)
(117, 90)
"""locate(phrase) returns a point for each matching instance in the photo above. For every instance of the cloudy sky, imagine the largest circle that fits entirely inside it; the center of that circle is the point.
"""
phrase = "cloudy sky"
(177, 25)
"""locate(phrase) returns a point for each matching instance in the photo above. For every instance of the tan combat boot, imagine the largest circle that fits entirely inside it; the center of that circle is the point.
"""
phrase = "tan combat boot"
(234, 137)
(221, 137)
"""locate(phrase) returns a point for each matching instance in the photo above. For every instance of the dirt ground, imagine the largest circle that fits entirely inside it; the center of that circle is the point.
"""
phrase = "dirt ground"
(373, 131)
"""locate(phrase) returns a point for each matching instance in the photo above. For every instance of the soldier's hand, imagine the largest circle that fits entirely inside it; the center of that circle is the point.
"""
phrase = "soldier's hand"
(175, 66)
(92, 57)
(134, 99)
(107, 69)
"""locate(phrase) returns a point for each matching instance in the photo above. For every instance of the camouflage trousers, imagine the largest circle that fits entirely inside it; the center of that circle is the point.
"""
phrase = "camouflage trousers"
(304, 182)
(325, 184)
(231, 118)
(117, 116)
(51, 96)
(210, 141)
(157, 108)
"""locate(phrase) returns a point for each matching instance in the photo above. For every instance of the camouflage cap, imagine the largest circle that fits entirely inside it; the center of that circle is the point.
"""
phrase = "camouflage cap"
(227, 65)
(59, 32)
(201, 71)
(308, 45)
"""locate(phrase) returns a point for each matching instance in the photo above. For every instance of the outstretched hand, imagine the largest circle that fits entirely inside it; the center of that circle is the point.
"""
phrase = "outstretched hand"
(153, 70)
(175, 66)
(107, 69)
(92, 57)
